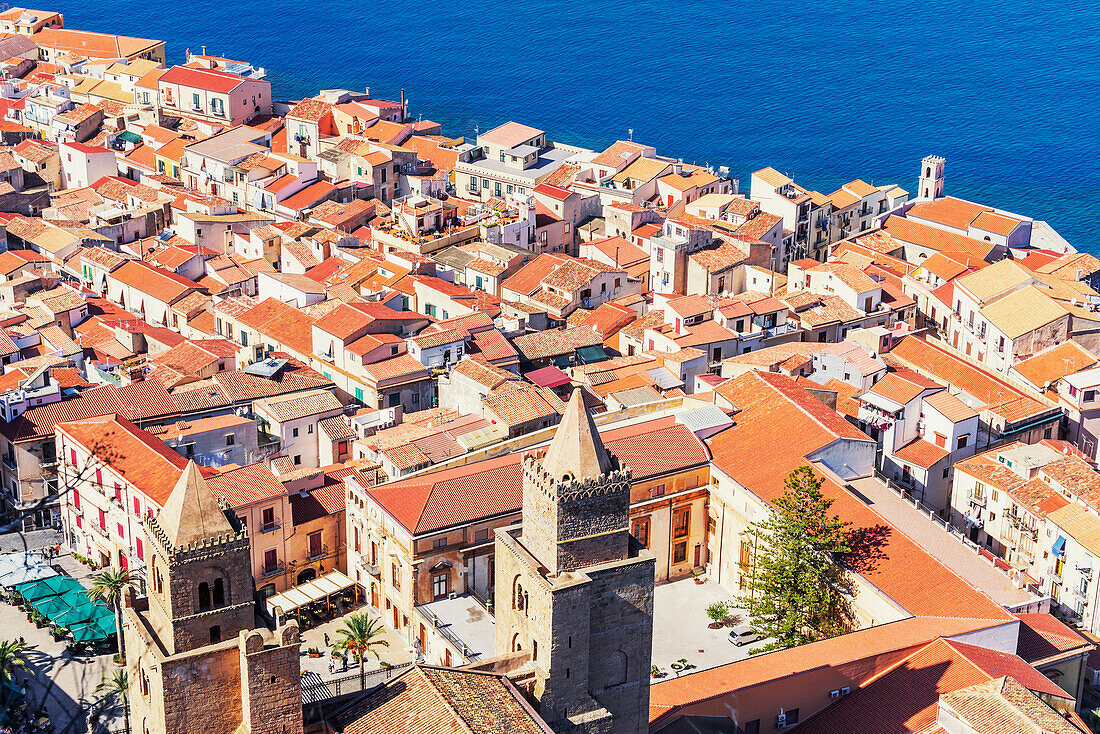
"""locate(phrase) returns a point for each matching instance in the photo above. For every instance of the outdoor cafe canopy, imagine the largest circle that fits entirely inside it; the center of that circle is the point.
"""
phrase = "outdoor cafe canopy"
(98, 629)
(20, 568)
(316, 590)
(64, 601)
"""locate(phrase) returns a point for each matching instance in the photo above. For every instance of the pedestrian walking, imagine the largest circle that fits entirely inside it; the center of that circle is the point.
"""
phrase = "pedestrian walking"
(331, 666)
(327, 643)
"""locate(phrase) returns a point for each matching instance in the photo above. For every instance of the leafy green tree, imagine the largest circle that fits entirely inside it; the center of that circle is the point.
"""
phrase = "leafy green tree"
(116, 684)
(718, 611)
(111, 585)
(11, 657)
(360, 635)
(797, 590)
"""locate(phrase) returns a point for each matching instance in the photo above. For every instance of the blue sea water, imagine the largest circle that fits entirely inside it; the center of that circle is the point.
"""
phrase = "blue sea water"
(1009, 92)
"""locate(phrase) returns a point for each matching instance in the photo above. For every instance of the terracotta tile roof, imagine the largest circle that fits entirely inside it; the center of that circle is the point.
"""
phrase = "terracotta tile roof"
(948, 211)
(906, 699)
(1055, 363)
(237, 387)
(996, 223)
(431, 699)
(163, 285)
(618, 153)
(1043, 637)
(999, 396)
(689, 306)
(336, 428)
(328, 499)
(985, 467)
(509, 135)
(949, 406)
(901, 388)
(427, 340)
(1004, 706)
(725, 255)
(343, 321)
(759, 225)
(850, 275)
(490, 345)
(529, 278)
(209, 79)
(1023, 312)
(312, 110)
(517, 405)
(1068, 267)
(308, 196)
(919, 452)
(485, 374)
(652, 320)
(493, 487)
(965, 249)
(142, 458)
(399, 369)
(299, 405)
(554, 342)
(140, 401)
(999, 278)
(815, 310)
(856, 654)
(608, 318)
(778, 425)
(246, 485)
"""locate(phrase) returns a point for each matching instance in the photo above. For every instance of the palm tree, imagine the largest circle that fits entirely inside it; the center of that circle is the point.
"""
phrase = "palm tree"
(110, 585)
(11, 657)
(116, 684)
(360, 635)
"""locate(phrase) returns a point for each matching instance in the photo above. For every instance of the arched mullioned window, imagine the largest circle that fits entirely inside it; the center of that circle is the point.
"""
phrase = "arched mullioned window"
(517, 593)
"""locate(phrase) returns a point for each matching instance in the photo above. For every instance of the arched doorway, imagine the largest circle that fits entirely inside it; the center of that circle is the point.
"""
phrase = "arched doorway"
(306, 576)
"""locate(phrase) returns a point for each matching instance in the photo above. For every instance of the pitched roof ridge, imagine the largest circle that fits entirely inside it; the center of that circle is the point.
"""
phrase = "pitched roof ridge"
(784, 394)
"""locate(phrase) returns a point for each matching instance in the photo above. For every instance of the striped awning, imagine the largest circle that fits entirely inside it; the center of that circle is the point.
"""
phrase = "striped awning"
(305, 594)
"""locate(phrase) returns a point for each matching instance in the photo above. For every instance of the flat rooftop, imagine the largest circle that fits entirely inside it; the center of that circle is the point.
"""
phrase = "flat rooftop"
(464, 619)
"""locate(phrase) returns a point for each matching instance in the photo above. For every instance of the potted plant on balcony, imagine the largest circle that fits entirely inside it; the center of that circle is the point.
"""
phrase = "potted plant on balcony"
(314, 652)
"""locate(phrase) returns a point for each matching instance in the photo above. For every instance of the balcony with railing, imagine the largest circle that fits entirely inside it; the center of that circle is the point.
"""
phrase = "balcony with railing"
(269, 571)
(975, 499)
(371, 569)
(876, 416)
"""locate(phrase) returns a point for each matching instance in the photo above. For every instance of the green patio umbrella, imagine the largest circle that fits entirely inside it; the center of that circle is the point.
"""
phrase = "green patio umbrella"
(85, 633)
(75, 616)
(97, 629)
(53, 586)
(105, 626)
(50, 606)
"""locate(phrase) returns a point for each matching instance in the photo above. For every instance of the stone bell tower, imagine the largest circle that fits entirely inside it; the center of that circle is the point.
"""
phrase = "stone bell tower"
(930, 184)
(194, 661)
(573, 589)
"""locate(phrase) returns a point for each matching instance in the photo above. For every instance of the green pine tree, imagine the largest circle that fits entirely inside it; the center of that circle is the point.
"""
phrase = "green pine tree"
(796, 589)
